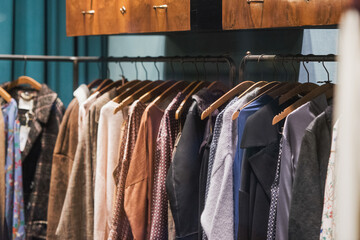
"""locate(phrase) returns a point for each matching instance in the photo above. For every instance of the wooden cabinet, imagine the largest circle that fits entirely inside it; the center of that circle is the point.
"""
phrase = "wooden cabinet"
(95, 17)
(250, 14)
(100, 17)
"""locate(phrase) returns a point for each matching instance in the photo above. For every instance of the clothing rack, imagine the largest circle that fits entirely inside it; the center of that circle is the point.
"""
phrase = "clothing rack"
(75, 61)
(282, 58)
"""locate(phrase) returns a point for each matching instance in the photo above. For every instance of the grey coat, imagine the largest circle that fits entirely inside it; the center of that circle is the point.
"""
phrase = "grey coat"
(308, 190)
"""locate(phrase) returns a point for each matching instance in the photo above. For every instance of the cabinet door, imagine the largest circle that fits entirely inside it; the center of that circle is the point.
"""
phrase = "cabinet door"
(247, 14)
(78, 18)
(159, 15)
(170, 15)
(111, 17)
(126, 16)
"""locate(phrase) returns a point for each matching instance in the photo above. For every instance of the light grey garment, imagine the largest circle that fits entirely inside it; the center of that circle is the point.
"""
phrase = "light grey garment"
(309, 184)
(214, 143)
(213, 147)
(293, 133)
(77, 216)
(217, 218)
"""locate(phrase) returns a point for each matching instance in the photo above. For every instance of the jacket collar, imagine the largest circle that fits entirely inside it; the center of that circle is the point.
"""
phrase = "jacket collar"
(206, 97)
(259, 131)
(44, 104)
(45, 100)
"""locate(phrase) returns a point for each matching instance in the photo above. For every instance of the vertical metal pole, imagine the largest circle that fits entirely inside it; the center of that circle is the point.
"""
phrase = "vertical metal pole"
(75, 74)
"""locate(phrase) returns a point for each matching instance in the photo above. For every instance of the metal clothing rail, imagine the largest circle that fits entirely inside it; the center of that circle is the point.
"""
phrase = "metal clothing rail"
(283, 58)
(75, 61)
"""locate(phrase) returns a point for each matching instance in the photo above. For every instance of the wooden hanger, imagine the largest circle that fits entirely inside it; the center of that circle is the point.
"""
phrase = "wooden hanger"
(103, 84)
(94, 83)
(24, 80)
(155, 91)
(112, 85)
(185, 104)
(302, 89)
(178, 86)
(240, 88)
(136, 95)
(262, 91)
(254, 86)
(212, 84)
(283, 89)
(5, 95)
(189, 87)
(308, 97)
(125, 91)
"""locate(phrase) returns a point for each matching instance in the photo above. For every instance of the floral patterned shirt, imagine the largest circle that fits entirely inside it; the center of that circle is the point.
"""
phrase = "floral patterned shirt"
(14, 199)
(327, 231)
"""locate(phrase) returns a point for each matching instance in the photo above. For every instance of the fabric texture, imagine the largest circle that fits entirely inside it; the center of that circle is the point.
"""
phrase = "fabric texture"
(182, 180)
(260, 142)
(293, 132)
(168, 130)
(204, 156)
(328, 224)
(120, 226)
(2, 175)
(347, 164)
(241, 121)
(82, 93)
(108, 143)
(217, 218)
(213, 147)
(63, 158)
(139, 182)
(271, 231)
(14, 199)
(37, 155)
(77, 215)
(84, 109)
(309, 183)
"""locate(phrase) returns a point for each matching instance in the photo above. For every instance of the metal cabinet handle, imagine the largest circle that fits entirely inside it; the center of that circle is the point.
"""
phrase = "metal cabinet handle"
(90, 12)
(255, 1)
(164, 6)
(123, 10)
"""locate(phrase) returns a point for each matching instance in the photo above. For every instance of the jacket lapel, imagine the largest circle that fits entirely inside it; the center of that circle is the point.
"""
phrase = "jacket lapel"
(264, 164)
(46, 98)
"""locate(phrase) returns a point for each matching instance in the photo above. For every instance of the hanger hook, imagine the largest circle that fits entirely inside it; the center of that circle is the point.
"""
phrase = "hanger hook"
(293, 66)
(121, 69)
(172, 69)
(146, 73)
(204, 61)
(99, 67)
(258, 61)
(327, 72)
(183, 68)
(158, 72)
(286, 72)
(197, 70)
(217, 70)
(136, 70)
(25, 62)
(307, 72)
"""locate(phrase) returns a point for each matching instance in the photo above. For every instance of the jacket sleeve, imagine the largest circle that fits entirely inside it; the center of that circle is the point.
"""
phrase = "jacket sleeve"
(136, 199)
(306, 203)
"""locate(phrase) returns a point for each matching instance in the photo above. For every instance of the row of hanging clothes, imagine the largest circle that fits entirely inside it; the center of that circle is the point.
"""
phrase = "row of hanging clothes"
(175, 160)
(191, 160)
